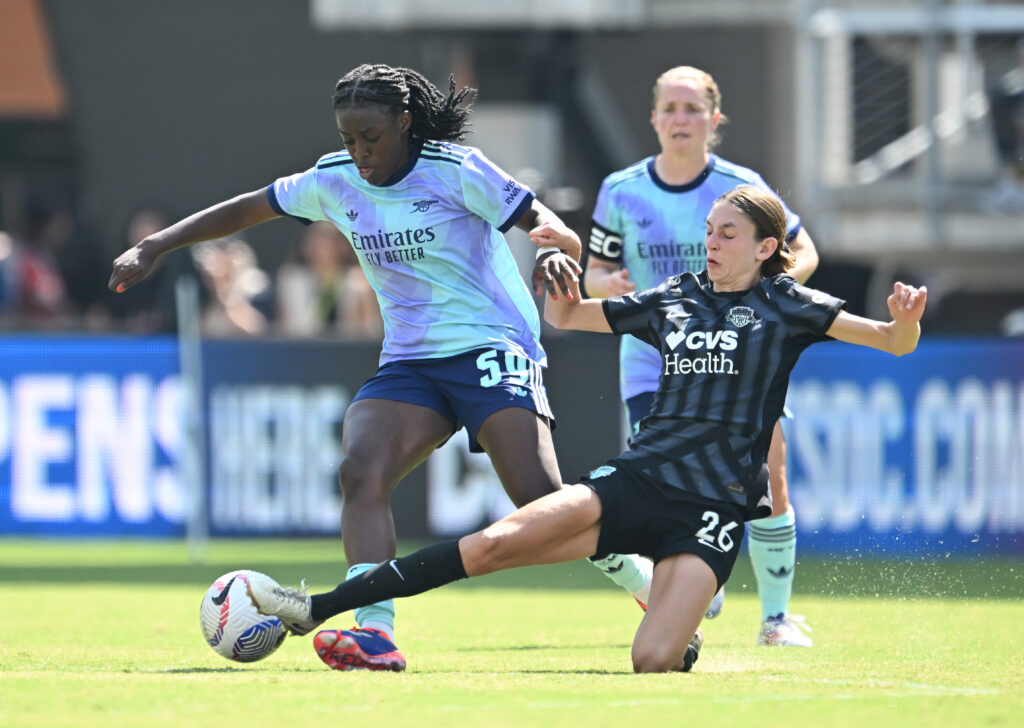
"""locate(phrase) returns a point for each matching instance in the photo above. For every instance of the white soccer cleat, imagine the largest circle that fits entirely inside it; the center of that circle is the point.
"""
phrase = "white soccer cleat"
(291, 606)
(784, 630)
(716, 604)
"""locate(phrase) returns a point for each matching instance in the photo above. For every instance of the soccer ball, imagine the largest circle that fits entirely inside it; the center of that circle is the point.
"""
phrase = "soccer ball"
(232, 625)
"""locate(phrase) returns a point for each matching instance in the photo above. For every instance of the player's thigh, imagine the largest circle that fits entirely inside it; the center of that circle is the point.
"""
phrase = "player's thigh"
(518, 442)
(383, 439)
(777, 471)
(681, 590)
(561, 526)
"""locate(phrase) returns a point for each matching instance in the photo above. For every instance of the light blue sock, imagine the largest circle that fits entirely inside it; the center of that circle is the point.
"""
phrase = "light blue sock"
(772, 546)
(631, 572)
(378, 616)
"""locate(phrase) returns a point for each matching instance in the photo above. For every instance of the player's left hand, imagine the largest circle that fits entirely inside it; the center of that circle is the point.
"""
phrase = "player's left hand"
(556, 272)
(906, 303)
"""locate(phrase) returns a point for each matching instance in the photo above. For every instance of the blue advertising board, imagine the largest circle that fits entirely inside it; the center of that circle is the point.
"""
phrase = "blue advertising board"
(90, 437)
(921, 454)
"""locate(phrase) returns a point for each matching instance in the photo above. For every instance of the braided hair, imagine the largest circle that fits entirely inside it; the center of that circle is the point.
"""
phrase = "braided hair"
(435, 115)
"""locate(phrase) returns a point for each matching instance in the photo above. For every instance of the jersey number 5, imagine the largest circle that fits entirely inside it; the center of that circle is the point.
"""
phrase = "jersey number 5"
(707, 537)
(515, 367)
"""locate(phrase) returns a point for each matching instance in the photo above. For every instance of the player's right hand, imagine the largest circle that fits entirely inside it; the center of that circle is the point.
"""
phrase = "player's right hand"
(131, 267)
(556, 272)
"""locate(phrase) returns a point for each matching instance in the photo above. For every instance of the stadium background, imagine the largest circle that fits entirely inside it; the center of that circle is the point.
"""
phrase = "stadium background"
(870, 118)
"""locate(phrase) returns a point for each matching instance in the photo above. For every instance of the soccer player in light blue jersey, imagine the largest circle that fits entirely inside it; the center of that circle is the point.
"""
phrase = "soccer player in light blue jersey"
(461, 348)
(649, 223)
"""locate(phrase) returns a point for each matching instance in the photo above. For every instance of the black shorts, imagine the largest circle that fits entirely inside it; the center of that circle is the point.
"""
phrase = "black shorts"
(642, 516)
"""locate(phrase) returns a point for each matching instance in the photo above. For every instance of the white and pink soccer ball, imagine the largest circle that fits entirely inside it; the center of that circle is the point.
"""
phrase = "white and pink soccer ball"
(232, 625)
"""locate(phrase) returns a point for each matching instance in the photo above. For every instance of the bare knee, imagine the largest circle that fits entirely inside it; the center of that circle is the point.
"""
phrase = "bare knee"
(487, 551)
(656, 659)
(780, 491)
(653, 653)
(777, 472)
(358, 483)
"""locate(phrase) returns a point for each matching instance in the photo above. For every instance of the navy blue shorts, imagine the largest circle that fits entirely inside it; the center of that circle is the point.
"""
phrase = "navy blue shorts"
(466, 389)
(640, 515)
(638, 407)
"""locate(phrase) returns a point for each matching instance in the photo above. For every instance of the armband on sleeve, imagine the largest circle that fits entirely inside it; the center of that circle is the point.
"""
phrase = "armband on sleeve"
(605, 244)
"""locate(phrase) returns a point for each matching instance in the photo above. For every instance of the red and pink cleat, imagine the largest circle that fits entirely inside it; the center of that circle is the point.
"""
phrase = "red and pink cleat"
(358, 649)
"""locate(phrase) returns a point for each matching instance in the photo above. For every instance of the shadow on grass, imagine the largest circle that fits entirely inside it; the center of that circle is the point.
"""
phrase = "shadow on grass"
(218, 670)
(510, 673)
(527, 648)
(910, 578)
(191, 670)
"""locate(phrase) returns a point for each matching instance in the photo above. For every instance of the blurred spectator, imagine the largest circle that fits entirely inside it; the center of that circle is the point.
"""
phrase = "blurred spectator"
(239, 295)
(1007, 103)
(325, 291)
(54, 272)
(150, 308)
(32, 293)
(80, 260)
(10, 278)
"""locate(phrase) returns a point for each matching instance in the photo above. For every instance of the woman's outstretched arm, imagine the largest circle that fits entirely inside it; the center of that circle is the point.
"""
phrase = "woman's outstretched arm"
(218, 221)
(899, 336)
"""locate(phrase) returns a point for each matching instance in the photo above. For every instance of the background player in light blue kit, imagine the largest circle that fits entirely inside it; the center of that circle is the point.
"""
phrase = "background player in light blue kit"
(695, 472)
(425, 217)
(649, 224)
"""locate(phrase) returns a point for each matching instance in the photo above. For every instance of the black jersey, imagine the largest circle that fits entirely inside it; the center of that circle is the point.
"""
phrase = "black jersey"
(726, 360)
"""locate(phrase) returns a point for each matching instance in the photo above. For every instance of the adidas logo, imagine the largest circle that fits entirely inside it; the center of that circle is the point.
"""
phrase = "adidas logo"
(351, 215)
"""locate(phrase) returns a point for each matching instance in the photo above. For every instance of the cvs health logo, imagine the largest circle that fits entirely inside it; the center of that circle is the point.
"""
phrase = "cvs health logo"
(711, 344)
(708, 340)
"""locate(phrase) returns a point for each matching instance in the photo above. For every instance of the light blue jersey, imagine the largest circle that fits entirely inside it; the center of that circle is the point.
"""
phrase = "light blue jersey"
(656, 230)
(430, 242)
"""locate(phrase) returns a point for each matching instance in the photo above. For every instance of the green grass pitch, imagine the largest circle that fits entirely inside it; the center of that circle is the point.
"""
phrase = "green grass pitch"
(107, 634)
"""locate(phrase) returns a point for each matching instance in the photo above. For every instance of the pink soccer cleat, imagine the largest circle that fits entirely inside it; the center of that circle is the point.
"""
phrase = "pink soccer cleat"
(358, 649)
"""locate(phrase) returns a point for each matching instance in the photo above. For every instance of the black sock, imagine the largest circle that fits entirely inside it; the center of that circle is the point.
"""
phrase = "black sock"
(416, 573)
